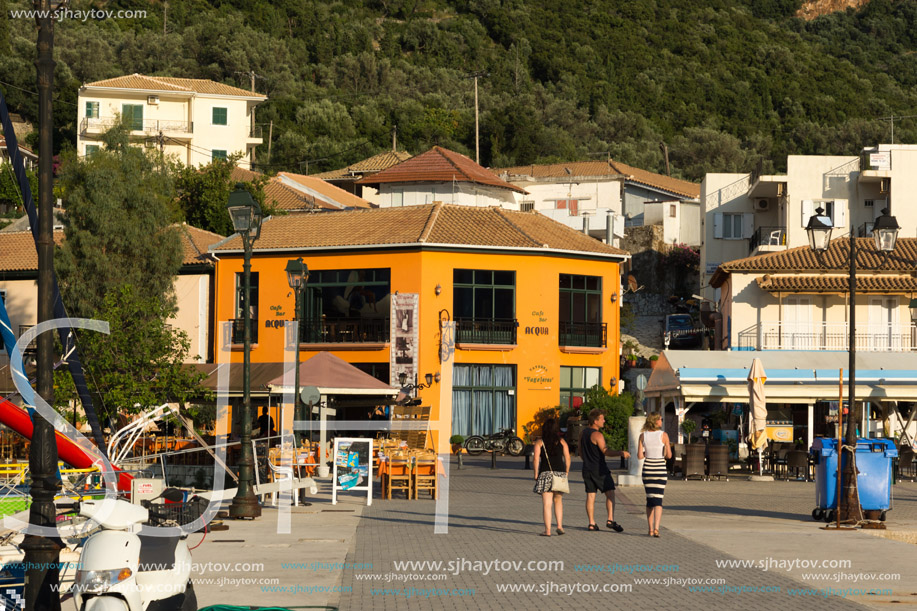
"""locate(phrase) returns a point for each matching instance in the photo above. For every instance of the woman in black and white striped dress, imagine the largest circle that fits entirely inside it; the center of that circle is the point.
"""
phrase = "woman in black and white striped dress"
(654, 448)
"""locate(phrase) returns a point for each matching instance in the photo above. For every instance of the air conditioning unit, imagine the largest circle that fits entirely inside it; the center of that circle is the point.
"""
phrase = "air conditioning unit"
(152, 100)
(762, 204)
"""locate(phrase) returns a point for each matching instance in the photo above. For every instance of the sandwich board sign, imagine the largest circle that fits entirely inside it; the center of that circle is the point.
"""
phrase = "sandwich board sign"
(353, 457)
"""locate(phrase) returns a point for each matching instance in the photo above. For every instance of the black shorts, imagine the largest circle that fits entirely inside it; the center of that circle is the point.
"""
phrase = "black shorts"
(598, 482)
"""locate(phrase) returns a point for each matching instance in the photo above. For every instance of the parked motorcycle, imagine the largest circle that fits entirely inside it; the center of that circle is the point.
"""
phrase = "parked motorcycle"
(504, 441)
(123, 570)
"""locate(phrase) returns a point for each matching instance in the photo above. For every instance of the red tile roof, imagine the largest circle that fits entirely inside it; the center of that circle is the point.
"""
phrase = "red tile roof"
(357, 170)
(901, 261)
(196, 244)
(430, 224)
(326, 190)
(438, 165)
(286, 197)
(172, 84)
(609, 168)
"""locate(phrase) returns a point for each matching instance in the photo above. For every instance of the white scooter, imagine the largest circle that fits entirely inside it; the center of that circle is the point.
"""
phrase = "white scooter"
(123, 570)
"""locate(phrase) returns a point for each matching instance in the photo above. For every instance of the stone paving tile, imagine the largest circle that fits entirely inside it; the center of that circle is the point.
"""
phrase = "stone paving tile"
(495, 516)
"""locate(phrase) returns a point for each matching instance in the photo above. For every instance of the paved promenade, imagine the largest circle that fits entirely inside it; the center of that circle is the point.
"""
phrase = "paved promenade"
(735, 544)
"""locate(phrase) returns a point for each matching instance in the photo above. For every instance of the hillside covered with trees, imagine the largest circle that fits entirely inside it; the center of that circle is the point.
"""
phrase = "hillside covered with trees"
(721, 83)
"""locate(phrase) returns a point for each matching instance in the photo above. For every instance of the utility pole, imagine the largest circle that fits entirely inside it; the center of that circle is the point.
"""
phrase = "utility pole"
(165, 16)
(42, 554)
(477, 133)
(270, 137)
(395, 139)
(252, 76)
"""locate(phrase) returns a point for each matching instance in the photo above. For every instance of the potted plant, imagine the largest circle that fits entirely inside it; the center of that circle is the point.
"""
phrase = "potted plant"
(687, 427)
(456, 441)
(632, 360)
(653, 360)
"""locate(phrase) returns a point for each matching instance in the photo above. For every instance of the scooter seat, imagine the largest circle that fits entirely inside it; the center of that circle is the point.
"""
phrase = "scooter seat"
(157, 553)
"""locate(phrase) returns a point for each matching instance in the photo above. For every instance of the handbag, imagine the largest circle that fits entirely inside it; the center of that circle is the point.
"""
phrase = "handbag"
(559, 483)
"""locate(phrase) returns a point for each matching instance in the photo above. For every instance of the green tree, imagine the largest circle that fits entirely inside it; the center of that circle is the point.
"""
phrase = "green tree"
(202, 194)
(10, 197)
(117, 227)
(139, 364)
(617, 410)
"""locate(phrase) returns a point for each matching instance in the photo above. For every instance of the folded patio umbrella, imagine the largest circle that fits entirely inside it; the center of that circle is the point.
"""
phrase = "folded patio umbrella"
(757, 421)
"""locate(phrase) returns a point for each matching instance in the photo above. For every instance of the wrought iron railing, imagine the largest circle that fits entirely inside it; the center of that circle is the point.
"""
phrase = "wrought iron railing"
(486, 330)
(828, 336)
(238, 330)
(147, 125)
(344, 330)
(767, 236)
(32, 346)
(588, 334)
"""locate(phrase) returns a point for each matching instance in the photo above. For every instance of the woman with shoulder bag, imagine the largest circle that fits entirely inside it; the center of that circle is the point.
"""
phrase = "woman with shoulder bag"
(552, 467)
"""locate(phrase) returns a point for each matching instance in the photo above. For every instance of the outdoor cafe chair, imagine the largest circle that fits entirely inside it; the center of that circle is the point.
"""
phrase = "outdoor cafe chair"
(718, 461)
(280, 472)
(398, 476)
(693, 460)
(796, 460)
(906, 464)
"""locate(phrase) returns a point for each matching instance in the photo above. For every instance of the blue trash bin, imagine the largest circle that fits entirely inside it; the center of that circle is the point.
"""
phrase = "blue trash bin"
(874, 463)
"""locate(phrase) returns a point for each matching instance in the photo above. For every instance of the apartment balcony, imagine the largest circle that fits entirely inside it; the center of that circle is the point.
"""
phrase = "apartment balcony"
(494, 331)
(828, 336)
(583, 334)
(150, 127)
(767, 239)
(238, 331)
(344, 331)
(255, 136)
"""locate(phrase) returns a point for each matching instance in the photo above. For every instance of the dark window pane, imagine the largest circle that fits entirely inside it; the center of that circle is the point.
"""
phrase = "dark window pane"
(483, 276)
(505, 278)
(579, 282)
(592, 283)
(566, 281)
(463, 302)
(483, 302)
(593, 308)
(579, 307)
(503, 303)
(463, 276)
(565, 307)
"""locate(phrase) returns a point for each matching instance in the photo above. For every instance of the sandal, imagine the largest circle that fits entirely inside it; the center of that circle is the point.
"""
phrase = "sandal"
(593, 527)
(544, 534)
(614, 526)
(656, 533)
(560, 531)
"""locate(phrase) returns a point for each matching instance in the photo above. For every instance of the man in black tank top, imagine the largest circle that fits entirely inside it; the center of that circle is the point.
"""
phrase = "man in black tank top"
(596, 474)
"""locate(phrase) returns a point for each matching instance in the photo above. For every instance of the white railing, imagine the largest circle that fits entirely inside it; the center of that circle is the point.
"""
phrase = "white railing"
(147, 125)
(828, 336)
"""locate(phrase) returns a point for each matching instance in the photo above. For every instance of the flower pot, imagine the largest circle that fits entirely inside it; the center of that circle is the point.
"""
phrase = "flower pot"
(653, 364)
(456, 448)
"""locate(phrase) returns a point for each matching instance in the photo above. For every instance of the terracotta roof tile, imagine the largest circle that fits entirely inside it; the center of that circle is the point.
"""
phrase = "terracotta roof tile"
(604, 168)
(837, 284)
(196, 244)
(284, 197)
(17, 251)
(438, 165)
(324, 190)
(380, 162)
(803, 259)
(172, 84)
(24, 149)
(444, 224)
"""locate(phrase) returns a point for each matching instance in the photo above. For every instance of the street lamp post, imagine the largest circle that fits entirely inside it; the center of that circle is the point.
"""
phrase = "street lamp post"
(42, 554)
(297, 276)
(885, 234)
(246, 220)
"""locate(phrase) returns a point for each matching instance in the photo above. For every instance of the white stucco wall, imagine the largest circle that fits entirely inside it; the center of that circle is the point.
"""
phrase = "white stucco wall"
(192, 294)
(590, 195)
(466, 194)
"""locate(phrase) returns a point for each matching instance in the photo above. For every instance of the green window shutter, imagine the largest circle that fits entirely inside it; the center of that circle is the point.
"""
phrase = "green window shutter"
(91, 149)
(219, 116)
(218, 154)
(92, 110)
(133, 115)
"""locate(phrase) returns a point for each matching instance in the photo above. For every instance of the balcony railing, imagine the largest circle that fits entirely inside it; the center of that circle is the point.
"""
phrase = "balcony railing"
(865, 230)
(828, 336)
(587, 334)
(486, 330)
(238, 330)
(344, 330)
(151, 126)
(255, 132)
(767, 236)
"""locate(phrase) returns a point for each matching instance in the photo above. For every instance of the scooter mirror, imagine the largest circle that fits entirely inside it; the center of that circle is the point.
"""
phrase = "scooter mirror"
(173, 495)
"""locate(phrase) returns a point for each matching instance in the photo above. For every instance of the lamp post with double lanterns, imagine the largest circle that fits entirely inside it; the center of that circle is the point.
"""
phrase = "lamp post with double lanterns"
(885, 234)
(297, 276)
(246, 220)
(412, 388)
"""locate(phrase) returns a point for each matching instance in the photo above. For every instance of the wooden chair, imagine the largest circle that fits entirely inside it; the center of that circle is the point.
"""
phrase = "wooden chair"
(425, 478)
(399, 477)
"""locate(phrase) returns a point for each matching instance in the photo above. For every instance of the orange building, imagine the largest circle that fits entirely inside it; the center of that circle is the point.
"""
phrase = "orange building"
(535, 303)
